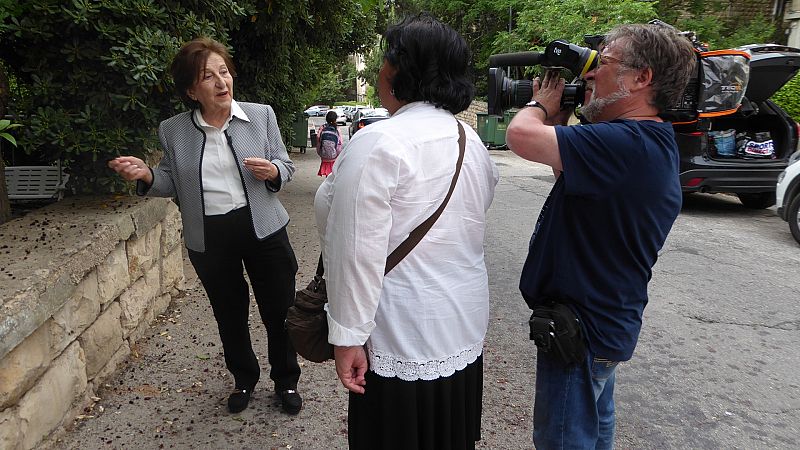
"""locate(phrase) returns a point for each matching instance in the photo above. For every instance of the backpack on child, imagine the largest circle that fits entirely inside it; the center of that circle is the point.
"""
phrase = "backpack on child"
(328, 147)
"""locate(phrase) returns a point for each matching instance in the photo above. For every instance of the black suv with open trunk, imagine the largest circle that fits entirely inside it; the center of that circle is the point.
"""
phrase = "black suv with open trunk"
(744, 152)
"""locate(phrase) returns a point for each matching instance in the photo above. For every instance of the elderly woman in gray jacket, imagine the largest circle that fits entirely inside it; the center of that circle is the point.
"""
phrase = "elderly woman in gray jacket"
(225, 162)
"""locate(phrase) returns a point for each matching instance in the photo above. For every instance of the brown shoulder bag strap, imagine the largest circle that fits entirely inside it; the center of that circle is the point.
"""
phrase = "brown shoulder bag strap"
(418, 233)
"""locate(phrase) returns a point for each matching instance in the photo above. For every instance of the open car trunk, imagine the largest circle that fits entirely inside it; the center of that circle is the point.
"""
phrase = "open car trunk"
(759, 130)
(759, 134)
(743, 152)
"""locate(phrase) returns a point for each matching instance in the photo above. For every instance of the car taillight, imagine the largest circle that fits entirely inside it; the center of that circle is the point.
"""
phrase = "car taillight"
(361, 125)
(797, 131)
(694, 182)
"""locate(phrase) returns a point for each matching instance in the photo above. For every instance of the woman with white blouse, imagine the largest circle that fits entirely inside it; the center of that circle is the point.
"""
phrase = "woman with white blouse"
(409, 345)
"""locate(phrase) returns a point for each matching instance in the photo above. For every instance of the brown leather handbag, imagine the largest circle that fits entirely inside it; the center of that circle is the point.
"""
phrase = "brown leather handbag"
(307, 320)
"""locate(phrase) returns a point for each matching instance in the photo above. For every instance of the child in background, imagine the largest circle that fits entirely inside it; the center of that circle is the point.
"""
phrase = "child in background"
(329, 144)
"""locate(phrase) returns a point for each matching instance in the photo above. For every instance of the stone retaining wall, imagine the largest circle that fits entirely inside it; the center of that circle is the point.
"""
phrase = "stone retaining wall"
(80, 282)
(470, 115)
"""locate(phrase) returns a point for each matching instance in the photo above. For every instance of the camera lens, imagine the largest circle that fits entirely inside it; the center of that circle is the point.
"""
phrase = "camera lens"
(506, 93)
(520, 93)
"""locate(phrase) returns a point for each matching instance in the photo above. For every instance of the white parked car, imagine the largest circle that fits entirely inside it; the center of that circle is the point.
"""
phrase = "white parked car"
(341, 115)
(316, 110)
(351, 114)
(348, 111)
(380, 112)
(787, 195)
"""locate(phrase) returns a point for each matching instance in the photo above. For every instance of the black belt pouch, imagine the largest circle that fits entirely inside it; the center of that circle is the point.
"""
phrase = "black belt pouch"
(557, 331)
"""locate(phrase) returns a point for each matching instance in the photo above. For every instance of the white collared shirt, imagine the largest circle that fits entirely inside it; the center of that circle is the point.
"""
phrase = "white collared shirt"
(222, 184)
(428, 317)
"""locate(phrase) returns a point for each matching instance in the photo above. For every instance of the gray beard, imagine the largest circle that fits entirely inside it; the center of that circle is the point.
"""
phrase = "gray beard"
(592, 110)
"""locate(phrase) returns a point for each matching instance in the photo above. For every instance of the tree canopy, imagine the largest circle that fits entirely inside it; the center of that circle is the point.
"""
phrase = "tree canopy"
(89, 79)
(500, 26)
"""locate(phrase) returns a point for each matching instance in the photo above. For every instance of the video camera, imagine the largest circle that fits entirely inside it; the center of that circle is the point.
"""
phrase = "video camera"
(697, 99)
(505, 92)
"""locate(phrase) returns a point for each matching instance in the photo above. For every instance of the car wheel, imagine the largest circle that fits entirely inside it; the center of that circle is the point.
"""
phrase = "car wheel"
(758, 200)
(793, 214)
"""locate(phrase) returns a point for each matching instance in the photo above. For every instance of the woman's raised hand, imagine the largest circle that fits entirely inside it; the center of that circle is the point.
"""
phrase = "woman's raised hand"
(131, 168)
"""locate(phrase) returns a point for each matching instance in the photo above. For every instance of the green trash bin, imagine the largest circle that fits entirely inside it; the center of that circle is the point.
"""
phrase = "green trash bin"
(508, 115)
(499, 140)
(502, 125)
(482, 123)
(300, 132)
(491, 129)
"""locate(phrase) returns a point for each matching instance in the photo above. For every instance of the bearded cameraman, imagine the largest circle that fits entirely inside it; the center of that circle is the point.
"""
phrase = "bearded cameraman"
(615, 198)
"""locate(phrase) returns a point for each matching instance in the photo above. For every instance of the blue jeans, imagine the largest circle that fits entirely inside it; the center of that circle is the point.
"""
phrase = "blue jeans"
(574, 405)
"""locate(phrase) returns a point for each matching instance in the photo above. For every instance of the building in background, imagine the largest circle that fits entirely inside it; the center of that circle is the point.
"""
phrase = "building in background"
(361, 84)
(791, 15)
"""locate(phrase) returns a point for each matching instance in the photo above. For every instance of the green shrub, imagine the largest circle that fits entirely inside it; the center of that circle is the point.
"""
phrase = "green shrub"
(96, 75)
(788, 98)
(97, 72)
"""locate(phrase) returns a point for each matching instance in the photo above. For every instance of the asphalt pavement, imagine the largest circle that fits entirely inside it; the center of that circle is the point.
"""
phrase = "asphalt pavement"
(171, 392)
(716, 365)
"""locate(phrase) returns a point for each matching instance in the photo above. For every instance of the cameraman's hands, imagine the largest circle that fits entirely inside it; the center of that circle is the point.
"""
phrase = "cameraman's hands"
(548, 92)
(533, 138)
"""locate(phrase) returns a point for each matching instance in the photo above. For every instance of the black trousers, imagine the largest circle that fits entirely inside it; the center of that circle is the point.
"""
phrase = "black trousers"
(271, 267)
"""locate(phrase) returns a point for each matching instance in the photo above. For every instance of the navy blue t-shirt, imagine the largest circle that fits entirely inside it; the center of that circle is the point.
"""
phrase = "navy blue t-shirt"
(600, 230)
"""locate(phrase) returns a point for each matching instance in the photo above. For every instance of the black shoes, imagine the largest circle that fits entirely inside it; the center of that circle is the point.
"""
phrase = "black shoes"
(238, 401)
(291, 402)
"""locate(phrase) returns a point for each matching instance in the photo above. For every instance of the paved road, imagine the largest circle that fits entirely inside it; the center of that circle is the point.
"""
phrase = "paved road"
(716, 366)
(717, 361)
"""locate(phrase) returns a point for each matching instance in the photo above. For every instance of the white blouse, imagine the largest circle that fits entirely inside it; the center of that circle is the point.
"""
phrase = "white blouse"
(222, 184)
(428, 317)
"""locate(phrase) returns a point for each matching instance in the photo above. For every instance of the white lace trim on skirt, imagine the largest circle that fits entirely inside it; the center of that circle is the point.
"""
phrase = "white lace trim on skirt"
(387, 365)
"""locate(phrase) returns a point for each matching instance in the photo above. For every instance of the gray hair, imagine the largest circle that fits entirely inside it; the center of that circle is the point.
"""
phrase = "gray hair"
(670, 56)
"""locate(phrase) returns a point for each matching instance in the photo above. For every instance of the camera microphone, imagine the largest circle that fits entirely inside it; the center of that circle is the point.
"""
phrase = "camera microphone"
(515, 59)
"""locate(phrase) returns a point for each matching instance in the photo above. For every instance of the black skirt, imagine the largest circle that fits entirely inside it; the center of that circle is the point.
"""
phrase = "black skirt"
(440, 414)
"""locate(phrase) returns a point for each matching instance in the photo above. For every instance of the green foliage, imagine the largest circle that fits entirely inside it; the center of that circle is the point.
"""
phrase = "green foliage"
(373, 60)
(372, 96)
(500, 26)
(8, 8)
(347, 80)
(6, 125)
(97, 72)
(327, 91)
(336, 84)
(89, 80)
(710, 22)
(284, 44)
(14, 88)
(758, 30)
(788, 98)
(541, 21)
(719, 35)
(97, 76)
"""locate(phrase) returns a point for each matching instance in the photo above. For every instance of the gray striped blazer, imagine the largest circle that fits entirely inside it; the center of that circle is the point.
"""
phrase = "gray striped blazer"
(179, 172)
